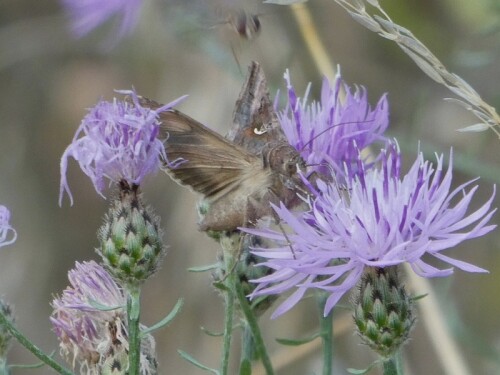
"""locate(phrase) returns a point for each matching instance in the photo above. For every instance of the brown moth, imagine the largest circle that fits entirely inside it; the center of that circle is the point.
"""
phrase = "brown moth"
(240, 175)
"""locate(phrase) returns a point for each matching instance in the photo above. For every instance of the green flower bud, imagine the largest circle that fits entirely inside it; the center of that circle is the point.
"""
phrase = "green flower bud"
(131, 246)
(245, 268)
(383, 312)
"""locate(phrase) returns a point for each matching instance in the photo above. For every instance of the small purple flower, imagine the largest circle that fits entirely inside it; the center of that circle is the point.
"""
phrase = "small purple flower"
(331, 131)
(86, 15)
(118, 141)
(6, 229)
(381, 219)
(90, 321)
(80, 325)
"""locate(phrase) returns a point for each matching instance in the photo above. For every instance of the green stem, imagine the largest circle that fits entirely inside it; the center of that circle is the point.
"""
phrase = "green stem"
(394, 365)
(260, 348)
(247, 343)
(326, 331)
(228, 311)
(133, 312)
(32, 347)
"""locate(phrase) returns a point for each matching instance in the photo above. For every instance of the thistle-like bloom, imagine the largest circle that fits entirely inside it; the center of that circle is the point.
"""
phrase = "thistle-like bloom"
(90, 321)
(118, 141)
(381, 219)
(86, 15)
(332, 130)
(8, 235)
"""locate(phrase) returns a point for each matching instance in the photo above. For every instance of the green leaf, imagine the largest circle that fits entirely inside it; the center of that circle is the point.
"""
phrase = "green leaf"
(366, 370)
(420, 296)
(193, 361)
(205, 268)
(245, 367)
(297, 342)
(166, 320)
(33, 366)
(220, 285)
(101, 307)
(211, 333)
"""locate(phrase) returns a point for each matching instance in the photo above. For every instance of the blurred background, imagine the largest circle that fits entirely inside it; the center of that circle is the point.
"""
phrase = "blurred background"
(48, 79)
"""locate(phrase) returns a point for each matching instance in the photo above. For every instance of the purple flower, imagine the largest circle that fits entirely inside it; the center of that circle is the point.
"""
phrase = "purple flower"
(80, 326)
(381, 219)
(332, 130)
(90, 319)
(6, 229)
(118, 141)
(86, 15)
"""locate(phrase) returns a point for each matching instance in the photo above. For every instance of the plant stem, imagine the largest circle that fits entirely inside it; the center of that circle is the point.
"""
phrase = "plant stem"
(326, 331)
(32, 347)
(228, 328)
(247, 343)
(227, 248)
(133, 312)
(394, 365)
(251, 320)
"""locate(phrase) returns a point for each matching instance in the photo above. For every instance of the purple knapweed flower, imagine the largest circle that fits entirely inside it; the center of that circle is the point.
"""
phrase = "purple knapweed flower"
(86, 15)
(331, 131)
(79, 324)
(8, 235)
(381, 219)
(90, 320)
(118, 141)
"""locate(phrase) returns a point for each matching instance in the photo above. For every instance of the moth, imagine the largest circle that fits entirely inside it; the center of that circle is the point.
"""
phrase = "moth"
(241, 174)
(246, 25)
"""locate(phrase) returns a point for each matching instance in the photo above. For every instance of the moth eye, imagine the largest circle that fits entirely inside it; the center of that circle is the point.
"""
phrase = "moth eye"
(290, 167)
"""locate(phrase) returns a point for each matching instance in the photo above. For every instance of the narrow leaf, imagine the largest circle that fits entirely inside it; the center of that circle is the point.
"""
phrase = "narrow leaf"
(366, 370)
(33, 366)
(205, 268)
(193, 361)
(420, 296)
(297, 342)
(211, 333)
(166, 320)
(101, 307)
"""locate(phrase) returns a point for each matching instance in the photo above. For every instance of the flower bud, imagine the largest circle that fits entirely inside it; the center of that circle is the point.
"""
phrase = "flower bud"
(246, 268)
(383, 311)
(131, 246)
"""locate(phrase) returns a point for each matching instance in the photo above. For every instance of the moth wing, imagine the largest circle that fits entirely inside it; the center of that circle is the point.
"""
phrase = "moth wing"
(255, 124)
(211, 165)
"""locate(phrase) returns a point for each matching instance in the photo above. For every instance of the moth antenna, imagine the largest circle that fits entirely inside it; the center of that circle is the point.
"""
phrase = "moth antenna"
(328, 129)
(288, 242)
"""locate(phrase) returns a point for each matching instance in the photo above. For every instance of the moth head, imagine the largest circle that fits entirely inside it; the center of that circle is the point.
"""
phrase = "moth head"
(283, 159)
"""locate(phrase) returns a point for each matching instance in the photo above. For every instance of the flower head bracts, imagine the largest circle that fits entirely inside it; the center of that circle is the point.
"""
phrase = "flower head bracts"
(386, 219)
(6, 229)
(118, 141)
(332, 130)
